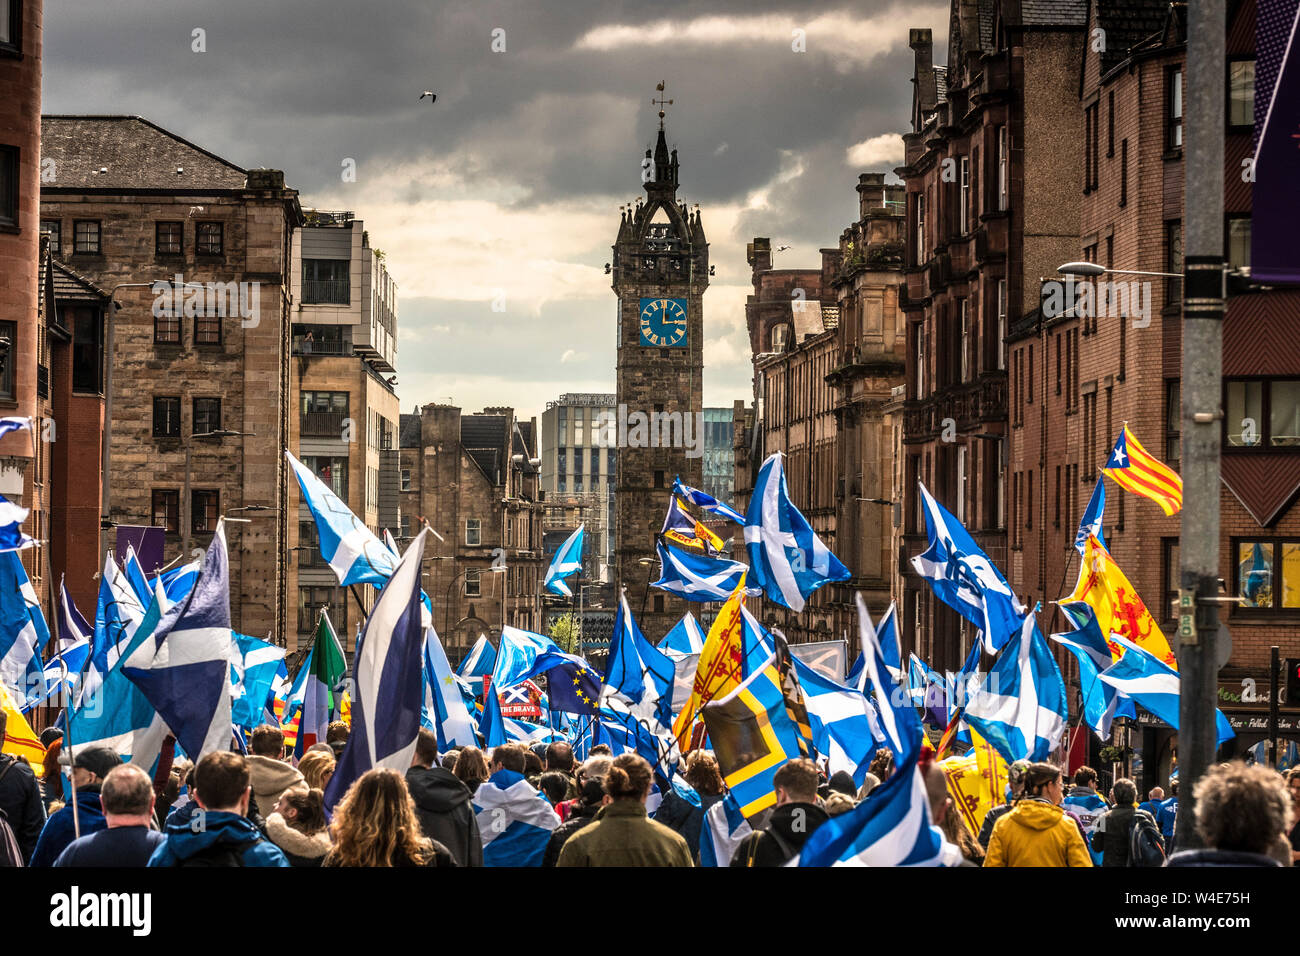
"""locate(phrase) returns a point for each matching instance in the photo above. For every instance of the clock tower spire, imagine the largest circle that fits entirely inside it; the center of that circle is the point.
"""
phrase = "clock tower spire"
(660, 273)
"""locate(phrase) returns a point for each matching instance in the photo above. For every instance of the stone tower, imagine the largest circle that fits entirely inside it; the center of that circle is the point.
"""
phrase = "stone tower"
(660, 272)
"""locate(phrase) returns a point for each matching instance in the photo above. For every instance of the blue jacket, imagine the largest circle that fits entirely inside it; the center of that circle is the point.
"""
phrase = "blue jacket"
(1165, 818)
(218, 827)
(59, 831)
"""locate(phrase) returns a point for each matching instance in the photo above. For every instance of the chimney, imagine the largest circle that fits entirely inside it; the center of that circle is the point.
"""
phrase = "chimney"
(921, 40)
(759, 254)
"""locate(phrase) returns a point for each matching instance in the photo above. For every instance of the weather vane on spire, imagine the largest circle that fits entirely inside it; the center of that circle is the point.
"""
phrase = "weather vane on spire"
(661, 103)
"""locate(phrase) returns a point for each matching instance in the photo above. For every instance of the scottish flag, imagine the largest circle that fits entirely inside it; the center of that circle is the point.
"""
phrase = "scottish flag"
(789, 561)
(117, 618)
(183, 666)
(567, 560)
(963, 577)
(491, 725)
(887, 635)
(11, 526)
(353, 552)
(696, 577)
(706, 501)
(442, 698)
(1021, 708)
(178, 582)
(254, 666)
(1154, 685)
(523, 654)
(929, 692)
(683, 645)
(722, 832)
(1102, 703)
(23, 631)
(514, 820)
(136, 577)
(845, 726)
(63, 672)
(638, 691)
(478, 664)
(13, 423)
(1090, 523)
(389, 680)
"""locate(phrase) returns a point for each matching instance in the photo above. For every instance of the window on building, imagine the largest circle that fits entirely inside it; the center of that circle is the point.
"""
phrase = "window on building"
(961, 483)
(1262, 413)
(1092, 135)
(406, 526)
(1267, 574)
(11, 25)
(659, 603)
(918, 229)
(326, 281)
(965, 341)
(204, 509)
(1169, 567)
(1173, 261)
(207, 330)
(577, 465)
(406, 479)
(579, 438)
(659, 479)
(611, 463)
(9, 177)
(473, 584)
(166, 416)
(1123, 348)
(1123, 173)
(1001, 330)
(87, 350)
(473, 532)
(209, 239)
(1030, 400)
(963, 211)
(1110, 124)
(1174, 108)
(207, 416)
(55, 229)
(167, 238)
(85, 237)
(1004, 169)
(332, 600)
(309, 555)
(1241, 93)
(1058, 363)
(1173, 424)
(332, 470)
(167, 509)
(167, 329)
(1239, 242)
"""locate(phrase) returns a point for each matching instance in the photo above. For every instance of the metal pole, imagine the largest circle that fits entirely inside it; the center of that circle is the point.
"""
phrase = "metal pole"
(1273, 667)
(185, 508)
(1203, 307)
(107, 433)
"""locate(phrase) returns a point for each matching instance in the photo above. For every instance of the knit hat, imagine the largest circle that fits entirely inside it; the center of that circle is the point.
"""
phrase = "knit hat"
(98, 760)
(49, 735)
(843, 782)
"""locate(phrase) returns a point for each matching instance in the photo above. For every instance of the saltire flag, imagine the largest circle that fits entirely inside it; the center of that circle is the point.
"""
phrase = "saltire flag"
(892, 827)
(523, 654)
(1086, 808)
(1137, 470)
(527, 732)
(520, 700)
(1119, 608)
(13, 423)
(1021, 707)
(491, 725)
(183, 666)
(962, 576)
(23, 631)
(322, 688)
(351, 549)
(929, 692)
(567, 560)
(443, 701)
(178, 581)
(117, 619)
(514, 820)
(389, 680)
(788, 560)
(72, 649)
(887, 634)
(276, 694)
(722, 832)
(479, 663)
(1101, 702)
(844, 724)
(136, 577)
(638, 692)
(254, 665)
(12, 517)
(682, 529)
(1154, 685)
(1090, 523)
(706, 501)
(752, 735)
(574, 687)
(696, 577)
(19, 738)
(722, 663)
(683, 645)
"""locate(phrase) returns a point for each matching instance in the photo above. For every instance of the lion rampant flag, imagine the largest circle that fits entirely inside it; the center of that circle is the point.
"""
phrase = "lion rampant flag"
(1104, 588)
(19, 738)
(721, 666)
(977, 781)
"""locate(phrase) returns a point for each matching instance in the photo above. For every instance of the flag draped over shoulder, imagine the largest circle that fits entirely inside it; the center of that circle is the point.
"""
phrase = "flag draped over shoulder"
(183, 666)
(1117, 605)
(1138, 471)
(1154, 685)
(721, 666)
(962, 576)
(723, 830)
(389, 683)
(696, 577)
(514, 820)
(567, 560)
(351, 549)
(787, 558)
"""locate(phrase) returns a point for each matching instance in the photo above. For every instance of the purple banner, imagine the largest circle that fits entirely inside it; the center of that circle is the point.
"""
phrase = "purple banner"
(1275, 198)
(148, 544)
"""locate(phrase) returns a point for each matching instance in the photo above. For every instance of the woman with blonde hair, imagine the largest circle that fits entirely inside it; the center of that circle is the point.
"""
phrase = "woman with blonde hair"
(298, 827)
(375, 825)
(317, 767)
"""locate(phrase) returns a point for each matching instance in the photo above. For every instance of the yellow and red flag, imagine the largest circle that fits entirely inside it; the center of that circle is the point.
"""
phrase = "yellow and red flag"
(20, 740)
(1119, 609)
(721, 666)
(977, 781)
(1137, 470)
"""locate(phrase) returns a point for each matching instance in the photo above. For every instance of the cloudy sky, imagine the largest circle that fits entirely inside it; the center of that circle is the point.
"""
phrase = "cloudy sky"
(510, 184)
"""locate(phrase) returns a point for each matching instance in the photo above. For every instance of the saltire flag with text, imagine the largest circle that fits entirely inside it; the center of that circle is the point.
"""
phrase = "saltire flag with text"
(1119, 608)
(682, 529)
(1137, 470)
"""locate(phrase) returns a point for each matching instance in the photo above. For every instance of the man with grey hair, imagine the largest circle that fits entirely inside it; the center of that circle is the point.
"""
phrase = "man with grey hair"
(1242, 814)
(582, 811)
(127, 797)
(1113, 833)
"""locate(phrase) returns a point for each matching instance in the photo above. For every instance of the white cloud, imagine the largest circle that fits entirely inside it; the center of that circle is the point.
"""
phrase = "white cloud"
(883, 150)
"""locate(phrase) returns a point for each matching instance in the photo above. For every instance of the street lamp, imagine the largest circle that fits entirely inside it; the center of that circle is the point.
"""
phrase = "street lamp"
(187, 523)
(1091, 270)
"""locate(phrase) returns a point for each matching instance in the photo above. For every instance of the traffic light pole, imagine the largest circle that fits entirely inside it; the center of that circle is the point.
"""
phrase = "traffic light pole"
(1274, 665)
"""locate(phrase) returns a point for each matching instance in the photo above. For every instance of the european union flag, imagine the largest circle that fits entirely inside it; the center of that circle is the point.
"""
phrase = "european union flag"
(574, 688)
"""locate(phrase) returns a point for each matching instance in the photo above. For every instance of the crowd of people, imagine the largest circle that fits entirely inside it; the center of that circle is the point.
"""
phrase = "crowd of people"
(259, 809)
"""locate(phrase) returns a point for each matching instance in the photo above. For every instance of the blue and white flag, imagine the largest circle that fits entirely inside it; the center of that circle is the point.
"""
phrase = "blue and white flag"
(64, 669)
(13, 423)
(442, 698)
(526, 732)
(254, 666)
(845, 726)
(929, 692)
(479, 663)
(1155, 685)
(1090, 523)
(683, 645)
(722, 832)
(178, 582)
(389, 680)
(514, 820)
(523, 654)
(136, 577)
(23, 631)
(567, 560)
(706, 501)
(1021, 707)
(696, 577)
(12, 517)
(117, 618)
(351, 549)
(963, 577)
(1102, 703)
(892, 827)
(183, 666)
(789, 561)
(887, 634)
(491, 725)
(638, 692)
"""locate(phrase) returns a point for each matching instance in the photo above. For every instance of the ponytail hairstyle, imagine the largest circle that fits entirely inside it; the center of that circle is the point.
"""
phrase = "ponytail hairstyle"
(1038, 776)
(309, 805)
(629, 778)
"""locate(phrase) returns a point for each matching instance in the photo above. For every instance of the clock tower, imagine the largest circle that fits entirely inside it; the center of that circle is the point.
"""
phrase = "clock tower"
(660, 272)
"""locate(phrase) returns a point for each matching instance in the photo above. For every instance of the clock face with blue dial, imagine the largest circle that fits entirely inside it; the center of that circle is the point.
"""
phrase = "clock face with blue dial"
(663, 323)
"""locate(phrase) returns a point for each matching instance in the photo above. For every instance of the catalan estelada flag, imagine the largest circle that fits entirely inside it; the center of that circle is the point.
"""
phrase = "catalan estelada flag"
(1119, 608)
(1134, 468)
(722, 663)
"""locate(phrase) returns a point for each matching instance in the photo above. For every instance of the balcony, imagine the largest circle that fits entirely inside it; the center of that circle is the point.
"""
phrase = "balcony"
(323, 424)
(326, 292)
(969, 405)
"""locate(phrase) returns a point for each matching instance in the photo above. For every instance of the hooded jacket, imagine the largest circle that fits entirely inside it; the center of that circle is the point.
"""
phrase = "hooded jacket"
(270, 778)
(60, 830)
(445, 808)
(301, 849)
(1037, 833)
(219, 828)
(20, 801)
(783, 836)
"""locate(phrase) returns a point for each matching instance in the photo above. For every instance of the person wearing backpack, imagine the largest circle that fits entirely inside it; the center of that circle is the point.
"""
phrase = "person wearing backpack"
(1125, 835)
(21, 808)
(218, 833)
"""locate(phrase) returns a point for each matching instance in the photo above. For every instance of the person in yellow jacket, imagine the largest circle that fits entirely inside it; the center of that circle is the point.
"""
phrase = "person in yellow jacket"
(1038, 832)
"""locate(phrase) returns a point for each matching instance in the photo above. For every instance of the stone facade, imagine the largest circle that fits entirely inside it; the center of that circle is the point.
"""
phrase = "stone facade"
(579, 462)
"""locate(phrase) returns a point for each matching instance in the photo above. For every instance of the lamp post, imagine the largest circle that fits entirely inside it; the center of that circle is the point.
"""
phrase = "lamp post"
(452, 584)
(187, 523)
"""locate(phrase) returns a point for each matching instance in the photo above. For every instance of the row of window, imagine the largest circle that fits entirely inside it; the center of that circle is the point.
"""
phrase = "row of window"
(958, 357)
(1266, 575)
(169, 237)
(167, 330)
(565, 457)
(969, 202)
(205, 507)
(167, 416)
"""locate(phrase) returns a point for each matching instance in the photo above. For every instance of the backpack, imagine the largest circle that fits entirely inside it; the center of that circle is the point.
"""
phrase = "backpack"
(219, 854)
(10, 853)
(1144, 847)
